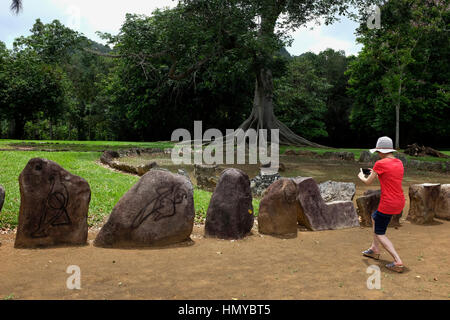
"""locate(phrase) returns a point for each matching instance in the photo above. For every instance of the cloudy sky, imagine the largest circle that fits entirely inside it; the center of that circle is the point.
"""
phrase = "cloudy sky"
(89, 16)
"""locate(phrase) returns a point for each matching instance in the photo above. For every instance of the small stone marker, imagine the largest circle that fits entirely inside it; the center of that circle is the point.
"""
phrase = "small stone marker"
(157, 211)
(54, 206)
(230, 211)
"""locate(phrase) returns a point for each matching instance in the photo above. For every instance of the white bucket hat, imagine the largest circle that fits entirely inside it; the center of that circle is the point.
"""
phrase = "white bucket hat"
(384, 145)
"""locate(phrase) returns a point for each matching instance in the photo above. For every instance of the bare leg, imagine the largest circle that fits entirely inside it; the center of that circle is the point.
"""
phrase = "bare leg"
(375, 243)
(387, 244)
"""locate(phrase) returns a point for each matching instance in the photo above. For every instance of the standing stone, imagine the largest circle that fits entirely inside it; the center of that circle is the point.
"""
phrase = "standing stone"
(54, 206)
(337, 191)
(2, 197)
(157, 211)
(279, 209)
(368, 204)
(230, 212)
(423, 202)
(315, 214)
(443, 203)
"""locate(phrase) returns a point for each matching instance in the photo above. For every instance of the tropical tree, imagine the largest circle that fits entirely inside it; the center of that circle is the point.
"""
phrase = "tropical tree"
(395, 73)
(30, 87)
(16, 6)
(197, 32)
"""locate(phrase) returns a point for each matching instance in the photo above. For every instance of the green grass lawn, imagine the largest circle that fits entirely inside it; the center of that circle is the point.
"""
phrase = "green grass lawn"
(91, 146)
(107, 186)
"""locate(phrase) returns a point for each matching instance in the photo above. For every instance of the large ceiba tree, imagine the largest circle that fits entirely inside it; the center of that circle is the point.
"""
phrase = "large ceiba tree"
(197, 32)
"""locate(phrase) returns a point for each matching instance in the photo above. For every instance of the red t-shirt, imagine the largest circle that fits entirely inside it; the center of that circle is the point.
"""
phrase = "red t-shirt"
(390, 173)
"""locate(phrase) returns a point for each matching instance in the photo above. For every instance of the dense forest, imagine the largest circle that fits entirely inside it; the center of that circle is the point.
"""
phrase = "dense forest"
(57, 84)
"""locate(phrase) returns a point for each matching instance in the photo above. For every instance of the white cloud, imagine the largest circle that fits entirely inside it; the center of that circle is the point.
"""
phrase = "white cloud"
(89, 16)
(339, 36)
(104, 15)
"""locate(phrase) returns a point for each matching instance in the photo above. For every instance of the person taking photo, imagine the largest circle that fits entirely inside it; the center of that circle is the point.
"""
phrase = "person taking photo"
(389, 171)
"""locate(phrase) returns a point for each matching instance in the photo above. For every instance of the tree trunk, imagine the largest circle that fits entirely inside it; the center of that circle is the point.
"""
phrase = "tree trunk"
(51, 129)
(397, 118)
(263, 117)
(19, 128)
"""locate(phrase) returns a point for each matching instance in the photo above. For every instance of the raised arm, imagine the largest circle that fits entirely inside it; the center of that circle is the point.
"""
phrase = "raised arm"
(373, 175)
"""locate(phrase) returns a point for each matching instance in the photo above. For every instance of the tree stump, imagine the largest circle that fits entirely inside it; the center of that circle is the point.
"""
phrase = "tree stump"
(443, 203)
(368, 203)
(423, 202)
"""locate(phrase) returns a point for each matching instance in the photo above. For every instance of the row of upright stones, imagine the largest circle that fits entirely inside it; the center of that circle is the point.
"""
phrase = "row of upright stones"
(159, 209)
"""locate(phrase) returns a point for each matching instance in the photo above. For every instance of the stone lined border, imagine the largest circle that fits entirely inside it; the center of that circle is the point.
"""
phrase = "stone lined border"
(110, 157)
(437, 166)
(367, 158)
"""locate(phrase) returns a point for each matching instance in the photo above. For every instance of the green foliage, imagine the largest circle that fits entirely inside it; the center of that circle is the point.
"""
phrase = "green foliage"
(30, 87)
(143, 100)
(404, 64)
(52, 42)
(311, 96)
(300, 97)
(198, 61)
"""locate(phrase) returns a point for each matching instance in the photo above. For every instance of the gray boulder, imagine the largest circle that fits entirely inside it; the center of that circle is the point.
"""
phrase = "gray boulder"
(262, 181)
(315, 214)
(337, 191)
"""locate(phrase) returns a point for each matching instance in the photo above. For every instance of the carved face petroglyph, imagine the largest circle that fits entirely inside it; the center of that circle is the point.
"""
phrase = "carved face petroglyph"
(167, 202)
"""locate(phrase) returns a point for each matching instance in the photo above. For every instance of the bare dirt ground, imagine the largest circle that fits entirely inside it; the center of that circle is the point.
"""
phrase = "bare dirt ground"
(315, 265)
